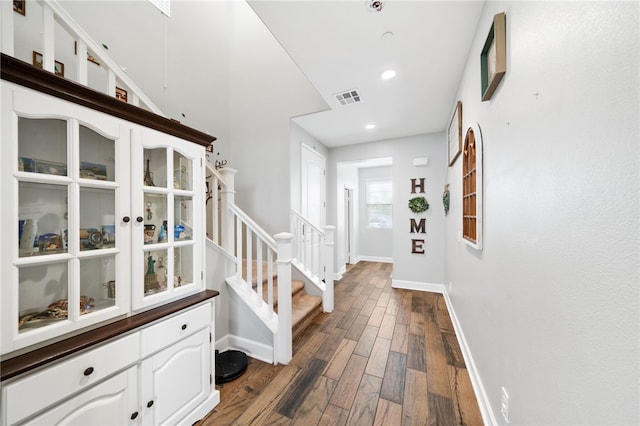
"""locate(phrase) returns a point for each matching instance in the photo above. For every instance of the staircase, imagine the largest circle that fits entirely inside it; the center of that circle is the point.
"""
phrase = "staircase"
(304, 307)
(261, 285)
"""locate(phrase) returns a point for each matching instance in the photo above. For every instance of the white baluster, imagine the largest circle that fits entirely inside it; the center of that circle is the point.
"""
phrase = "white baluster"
(329, 253)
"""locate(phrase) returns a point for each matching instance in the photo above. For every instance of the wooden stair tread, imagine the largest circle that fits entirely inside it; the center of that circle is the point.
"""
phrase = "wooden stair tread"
(304, 308)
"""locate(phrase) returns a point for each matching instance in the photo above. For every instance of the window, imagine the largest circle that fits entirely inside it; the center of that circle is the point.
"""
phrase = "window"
(379, 204)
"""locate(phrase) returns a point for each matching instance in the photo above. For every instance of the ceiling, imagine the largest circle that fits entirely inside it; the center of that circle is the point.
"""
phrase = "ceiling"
(339, 46)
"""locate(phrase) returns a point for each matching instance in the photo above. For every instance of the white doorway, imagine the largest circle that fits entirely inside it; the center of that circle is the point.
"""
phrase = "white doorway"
(348, 223)
(313, 204)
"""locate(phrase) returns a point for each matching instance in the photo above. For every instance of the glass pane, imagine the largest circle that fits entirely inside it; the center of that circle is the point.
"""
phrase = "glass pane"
(155, 275)
(183, 266)
(97, 156)
(155, 218)
(42, 146)
(183, 214)
(181, 172)
(97, 283)
(97, 218)
(155, 167)
(42, 297)
(42, 219)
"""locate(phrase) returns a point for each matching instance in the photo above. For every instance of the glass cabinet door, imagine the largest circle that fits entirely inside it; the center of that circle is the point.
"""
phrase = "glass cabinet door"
(67, 256)
(168, 189)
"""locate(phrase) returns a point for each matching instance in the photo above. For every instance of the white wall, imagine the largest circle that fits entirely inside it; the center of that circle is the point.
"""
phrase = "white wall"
(266, 90)
(549, 307)
(373, 244)
(417, 269)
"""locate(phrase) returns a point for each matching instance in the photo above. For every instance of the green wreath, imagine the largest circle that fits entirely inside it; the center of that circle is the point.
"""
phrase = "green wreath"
(418, 204)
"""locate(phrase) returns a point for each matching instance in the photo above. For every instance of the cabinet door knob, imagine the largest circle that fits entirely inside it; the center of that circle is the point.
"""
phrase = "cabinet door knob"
(126, 219)
(150, 404)
(134, 415)
(139, 219)
(88, 371)
(184, 326)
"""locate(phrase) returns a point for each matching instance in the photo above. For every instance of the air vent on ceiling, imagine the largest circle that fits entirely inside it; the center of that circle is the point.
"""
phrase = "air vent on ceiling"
(348, 97)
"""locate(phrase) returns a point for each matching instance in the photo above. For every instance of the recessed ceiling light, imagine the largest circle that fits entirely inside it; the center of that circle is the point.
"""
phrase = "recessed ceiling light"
(387, 36)
(370, 126)
(388, 74)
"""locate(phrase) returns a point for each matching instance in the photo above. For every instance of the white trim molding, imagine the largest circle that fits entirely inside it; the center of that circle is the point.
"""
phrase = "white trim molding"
(374, 259)
(256, 350)
(414, 285)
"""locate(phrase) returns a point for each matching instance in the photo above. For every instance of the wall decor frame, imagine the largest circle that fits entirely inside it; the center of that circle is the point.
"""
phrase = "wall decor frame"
(121, 94)
(20, 6)
(454, 134)
(472, 187)
(493, 59)
(58, 66)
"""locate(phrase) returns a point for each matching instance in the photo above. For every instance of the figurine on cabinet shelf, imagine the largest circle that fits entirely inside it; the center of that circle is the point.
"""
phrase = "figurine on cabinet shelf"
(150, 278)
(148, 178)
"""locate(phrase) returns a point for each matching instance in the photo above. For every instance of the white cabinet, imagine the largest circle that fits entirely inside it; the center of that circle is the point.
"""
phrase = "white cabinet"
(167, 187)
(125, 381)
(65, 183)
(176, 380)
(112, 402)
(103, 217)
(102, 211)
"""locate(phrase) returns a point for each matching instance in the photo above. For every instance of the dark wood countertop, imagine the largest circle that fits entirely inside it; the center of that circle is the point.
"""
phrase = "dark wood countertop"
(55, 351)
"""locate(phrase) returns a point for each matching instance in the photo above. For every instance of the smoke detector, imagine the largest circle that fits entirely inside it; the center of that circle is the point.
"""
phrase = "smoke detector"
(348, 97)
(374, 5)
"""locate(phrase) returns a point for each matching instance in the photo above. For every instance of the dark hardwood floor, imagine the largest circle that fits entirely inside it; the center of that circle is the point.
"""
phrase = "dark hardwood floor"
(384, 356)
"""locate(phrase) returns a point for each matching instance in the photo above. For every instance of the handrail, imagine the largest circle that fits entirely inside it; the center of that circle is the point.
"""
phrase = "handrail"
(254, 226)
(216, 173)
(306, 222)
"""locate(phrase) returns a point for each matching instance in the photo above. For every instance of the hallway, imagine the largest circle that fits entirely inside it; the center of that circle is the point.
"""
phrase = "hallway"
(384, 356)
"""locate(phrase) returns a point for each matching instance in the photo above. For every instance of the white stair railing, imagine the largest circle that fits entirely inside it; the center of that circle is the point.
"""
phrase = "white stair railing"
(52, 13)
(258, 258)
(313, 250)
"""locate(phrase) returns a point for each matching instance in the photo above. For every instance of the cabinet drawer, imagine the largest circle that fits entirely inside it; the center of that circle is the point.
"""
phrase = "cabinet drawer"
(39, 390)
(173, 329)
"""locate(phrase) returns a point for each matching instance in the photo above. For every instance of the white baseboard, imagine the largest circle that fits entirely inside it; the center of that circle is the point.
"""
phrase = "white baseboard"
(256, 350)
(414, 285)
(374, 259)
(488, 417)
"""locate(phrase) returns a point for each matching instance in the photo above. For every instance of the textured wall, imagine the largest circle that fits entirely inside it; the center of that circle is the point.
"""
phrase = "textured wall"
(550, 305)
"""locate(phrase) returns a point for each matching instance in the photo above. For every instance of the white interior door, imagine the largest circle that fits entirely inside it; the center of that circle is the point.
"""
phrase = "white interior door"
(313, 187)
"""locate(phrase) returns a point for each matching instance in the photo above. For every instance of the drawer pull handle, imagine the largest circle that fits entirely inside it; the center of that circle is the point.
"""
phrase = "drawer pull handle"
(126, 219)
(150, 404)
(88, 371)
(184, 326)
(134, 415)
(139, 219)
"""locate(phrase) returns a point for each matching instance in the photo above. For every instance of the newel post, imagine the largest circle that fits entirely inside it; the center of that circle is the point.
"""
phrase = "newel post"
(227, 198)
(284, 338)
(329, 255)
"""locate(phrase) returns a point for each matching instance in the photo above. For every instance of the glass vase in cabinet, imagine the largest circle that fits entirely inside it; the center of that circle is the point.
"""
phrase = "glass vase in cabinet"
(168, 199)
(64, 183)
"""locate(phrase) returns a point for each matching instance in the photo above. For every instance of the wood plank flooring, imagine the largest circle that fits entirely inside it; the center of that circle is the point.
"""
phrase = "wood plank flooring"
(383, 357)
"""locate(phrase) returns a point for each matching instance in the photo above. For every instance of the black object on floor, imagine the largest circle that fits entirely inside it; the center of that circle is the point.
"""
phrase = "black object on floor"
(230, 365)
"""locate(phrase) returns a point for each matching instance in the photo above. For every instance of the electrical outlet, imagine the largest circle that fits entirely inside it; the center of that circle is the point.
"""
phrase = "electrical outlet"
(504, 405)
